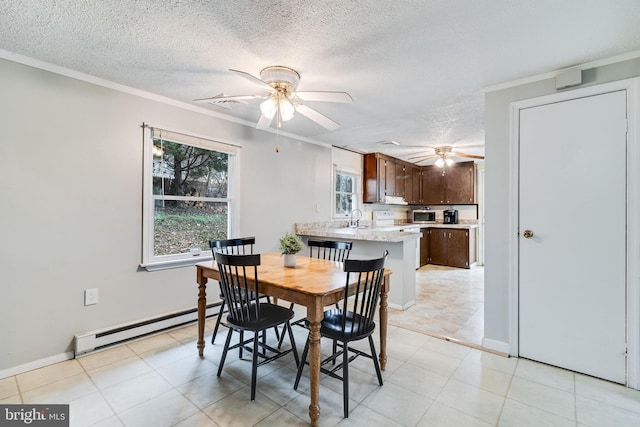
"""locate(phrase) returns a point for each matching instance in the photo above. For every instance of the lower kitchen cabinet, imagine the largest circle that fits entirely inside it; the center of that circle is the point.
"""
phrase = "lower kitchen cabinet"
(453, 247)
(424, 247)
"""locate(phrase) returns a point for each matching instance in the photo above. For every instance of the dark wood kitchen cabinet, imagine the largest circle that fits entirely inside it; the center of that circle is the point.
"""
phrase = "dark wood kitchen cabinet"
(433, 185)
(379, 178)
(428, 185)
(384, 176)
(424, 247)
(374, 179)
(453, 247)
(460, 183)
(451, 185)
(412, 185)
(399, 180)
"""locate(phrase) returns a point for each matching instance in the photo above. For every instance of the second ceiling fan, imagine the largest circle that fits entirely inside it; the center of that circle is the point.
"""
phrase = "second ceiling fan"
(443, 154)
(282, 99)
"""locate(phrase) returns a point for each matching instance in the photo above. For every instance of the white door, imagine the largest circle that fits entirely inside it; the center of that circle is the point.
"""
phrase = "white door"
(572, 270)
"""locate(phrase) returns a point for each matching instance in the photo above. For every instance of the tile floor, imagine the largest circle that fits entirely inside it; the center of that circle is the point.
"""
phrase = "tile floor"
(449, 304)
(160, 381)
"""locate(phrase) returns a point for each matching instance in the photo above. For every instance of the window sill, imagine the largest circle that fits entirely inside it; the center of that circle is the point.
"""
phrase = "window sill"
(176, 263)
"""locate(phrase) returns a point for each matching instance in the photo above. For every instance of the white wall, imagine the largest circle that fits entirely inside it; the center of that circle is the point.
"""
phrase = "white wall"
(498, 180)
(70, 191)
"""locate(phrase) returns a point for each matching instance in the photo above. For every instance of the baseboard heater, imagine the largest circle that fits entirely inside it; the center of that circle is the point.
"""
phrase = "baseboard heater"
(100, 339)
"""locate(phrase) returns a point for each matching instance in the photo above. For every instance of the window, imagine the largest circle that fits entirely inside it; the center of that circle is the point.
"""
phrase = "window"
(346, 193)
(188, 184)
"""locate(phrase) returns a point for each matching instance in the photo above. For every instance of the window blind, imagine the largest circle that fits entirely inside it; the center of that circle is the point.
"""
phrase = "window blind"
(193, 140)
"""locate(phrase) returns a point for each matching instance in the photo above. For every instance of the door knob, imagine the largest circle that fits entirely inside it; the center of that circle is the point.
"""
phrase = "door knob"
(527, 234)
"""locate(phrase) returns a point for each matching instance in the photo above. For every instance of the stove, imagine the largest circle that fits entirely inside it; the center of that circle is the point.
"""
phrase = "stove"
(383, 218)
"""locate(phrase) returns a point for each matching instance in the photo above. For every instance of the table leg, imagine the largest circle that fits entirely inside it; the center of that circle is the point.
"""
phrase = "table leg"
(314, 364)
(202, 307)
(384, 291)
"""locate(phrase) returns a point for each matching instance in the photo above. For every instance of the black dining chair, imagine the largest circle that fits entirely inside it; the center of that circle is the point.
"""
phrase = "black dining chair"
(354, 321)
(324, 249)
(237, 246)
(328, 249)
(239, 285)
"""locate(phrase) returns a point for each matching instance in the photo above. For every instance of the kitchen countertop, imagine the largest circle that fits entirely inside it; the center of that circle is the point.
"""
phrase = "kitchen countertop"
(392, 234)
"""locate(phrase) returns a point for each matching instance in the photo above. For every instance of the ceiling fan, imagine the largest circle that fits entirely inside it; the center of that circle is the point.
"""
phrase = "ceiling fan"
(443, 154)
(282, 99)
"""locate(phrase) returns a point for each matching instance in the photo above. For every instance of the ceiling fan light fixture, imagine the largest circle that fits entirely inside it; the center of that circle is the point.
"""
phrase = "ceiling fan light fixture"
(440, 162)
(449, 161)
(269, 108)
(286, 109)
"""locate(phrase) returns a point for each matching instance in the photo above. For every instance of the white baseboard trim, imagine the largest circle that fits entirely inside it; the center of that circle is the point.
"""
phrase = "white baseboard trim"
(495, 345)
(36, 364)
(401, 307)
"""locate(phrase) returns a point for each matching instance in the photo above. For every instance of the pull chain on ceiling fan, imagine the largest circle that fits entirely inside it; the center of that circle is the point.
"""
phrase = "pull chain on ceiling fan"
(282, 98)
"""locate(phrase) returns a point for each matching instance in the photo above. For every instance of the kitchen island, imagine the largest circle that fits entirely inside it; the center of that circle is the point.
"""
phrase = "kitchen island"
(371, 242)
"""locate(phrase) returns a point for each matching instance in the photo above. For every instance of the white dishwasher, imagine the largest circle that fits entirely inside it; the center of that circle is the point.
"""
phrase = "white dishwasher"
(415, 229)
(386, 219)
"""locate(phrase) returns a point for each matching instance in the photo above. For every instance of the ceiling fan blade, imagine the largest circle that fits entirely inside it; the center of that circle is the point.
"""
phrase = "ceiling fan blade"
(425, 156)
(470, 156)
(252, 79)
(422, 158)
(468, 145)
(222, 98)
(224, 101)
(325, 96)
(264, 122)
(317, 117)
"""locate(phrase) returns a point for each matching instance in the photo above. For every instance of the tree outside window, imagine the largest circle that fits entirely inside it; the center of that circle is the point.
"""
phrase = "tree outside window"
(185, 179)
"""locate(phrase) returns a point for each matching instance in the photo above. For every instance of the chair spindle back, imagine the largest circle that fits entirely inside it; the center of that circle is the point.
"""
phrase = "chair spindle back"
(239, 284)
(327, 249)
(360, 309)
(239, 246)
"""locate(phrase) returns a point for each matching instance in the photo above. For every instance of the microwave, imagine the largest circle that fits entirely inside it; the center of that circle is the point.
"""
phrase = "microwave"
(424, 216)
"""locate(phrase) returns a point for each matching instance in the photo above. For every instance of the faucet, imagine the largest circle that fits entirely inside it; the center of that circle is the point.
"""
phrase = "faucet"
(358, 219)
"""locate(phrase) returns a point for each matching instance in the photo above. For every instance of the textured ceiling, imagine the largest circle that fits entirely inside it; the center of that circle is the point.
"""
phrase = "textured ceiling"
(415, 69)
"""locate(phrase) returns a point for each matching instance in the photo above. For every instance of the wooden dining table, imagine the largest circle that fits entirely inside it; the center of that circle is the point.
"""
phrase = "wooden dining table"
(313, 283)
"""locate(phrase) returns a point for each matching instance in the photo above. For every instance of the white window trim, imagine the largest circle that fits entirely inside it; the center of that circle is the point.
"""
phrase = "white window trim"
(357, 202)
(151, 262)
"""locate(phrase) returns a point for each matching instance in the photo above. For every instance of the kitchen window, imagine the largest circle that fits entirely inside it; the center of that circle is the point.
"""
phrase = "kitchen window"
(189, 184)
(345, 192)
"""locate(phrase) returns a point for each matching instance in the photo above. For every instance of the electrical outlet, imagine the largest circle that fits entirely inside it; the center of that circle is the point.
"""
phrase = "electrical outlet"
(91, 296)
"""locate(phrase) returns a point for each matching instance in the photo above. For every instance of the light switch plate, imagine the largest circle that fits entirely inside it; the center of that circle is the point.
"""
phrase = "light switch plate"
(91, 296)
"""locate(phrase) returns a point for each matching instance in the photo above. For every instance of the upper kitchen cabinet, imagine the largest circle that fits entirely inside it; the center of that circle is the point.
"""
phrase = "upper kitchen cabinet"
(451, 185)
(433, 185)
(384, 176)
(374, 179)
(412, 185)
